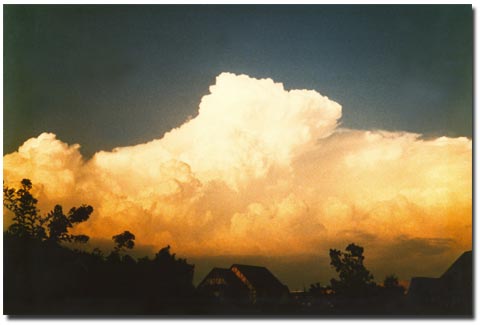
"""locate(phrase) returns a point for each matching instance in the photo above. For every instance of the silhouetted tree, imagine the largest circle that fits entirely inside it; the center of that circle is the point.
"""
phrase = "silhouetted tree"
(164, 255)
(178, 272)
(27, 222)
(58, 223)
(392, 287)
(123, 241)
(355, 279)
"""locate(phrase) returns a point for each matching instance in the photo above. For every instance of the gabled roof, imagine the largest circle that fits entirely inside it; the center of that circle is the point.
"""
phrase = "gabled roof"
(463, 265)
(260, 277)
(460, 272)
(226, 274)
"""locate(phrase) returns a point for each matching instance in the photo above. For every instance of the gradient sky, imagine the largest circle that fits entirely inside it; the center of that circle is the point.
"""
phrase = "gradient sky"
(108, 76)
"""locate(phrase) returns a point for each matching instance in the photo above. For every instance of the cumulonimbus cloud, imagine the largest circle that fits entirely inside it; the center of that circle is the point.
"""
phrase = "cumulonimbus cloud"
(266, 171)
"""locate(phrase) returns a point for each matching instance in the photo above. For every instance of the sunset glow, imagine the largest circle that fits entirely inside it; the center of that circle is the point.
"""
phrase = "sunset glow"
(262, 170)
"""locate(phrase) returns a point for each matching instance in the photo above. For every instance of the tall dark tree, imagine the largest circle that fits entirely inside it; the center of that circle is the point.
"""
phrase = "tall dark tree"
(27, 223)
(354, 278)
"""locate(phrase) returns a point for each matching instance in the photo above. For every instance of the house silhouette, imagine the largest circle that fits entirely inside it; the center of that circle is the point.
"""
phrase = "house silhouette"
(451, 293)
(243, 284)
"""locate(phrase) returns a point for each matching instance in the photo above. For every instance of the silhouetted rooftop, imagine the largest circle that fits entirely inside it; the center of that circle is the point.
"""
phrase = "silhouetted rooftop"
(463, 265)
(226, 274)
(451, 293)
(260, 277)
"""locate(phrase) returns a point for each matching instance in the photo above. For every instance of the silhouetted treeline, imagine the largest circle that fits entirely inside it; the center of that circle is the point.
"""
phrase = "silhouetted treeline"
(44, 278)
(41, 276)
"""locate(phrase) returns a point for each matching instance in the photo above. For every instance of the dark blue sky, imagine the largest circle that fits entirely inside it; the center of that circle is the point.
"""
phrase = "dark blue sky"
(108, 76)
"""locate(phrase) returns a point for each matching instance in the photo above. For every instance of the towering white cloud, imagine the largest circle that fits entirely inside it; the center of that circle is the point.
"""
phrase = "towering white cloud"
(262, 170)
(246, 126)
